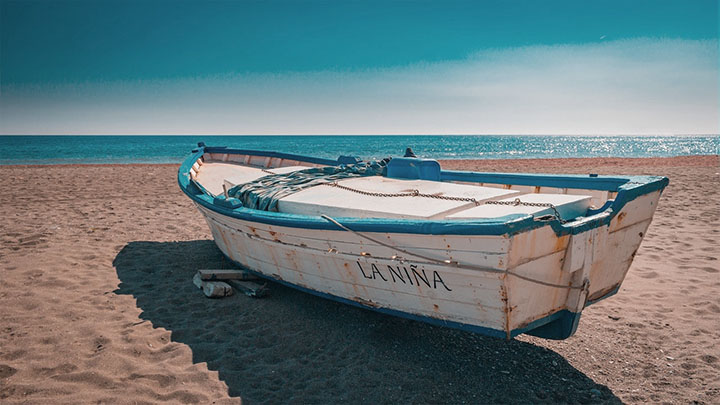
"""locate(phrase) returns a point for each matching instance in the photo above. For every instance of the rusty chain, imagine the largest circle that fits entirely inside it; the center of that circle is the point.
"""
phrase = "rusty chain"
(411, 193)
(529, 204)
(417, 193)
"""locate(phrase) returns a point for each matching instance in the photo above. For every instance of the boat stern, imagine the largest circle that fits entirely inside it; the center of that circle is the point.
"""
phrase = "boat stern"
(581, 262)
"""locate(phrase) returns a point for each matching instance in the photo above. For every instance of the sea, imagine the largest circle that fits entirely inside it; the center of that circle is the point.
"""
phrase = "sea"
(64, 149)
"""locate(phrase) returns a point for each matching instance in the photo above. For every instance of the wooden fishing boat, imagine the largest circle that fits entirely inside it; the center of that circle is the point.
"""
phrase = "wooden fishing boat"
(495, 253)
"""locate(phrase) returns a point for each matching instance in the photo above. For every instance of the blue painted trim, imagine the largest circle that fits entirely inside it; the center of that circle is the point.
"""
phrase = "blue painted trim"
(594, 182)
(348, 160)
(605, 206)
(562, 325)
(628, 188)
(230, 203)
(553, 319)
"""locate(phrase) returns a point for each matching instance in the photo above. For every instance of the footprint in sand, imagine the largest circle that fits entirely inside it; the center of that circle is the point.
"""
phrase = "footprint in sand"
(99, 344)
(6, 371)
(63, 368)
(162, 380)
(32, 240)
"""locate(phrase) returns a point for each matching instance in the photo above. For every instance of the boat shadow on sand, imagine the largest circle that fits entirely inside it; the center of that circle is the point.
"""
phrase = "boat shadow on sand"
(295, 347)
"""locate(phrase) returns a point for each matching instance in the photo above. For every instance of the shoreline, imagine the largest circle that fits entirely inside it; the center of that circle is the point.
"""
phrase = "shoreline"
(98, 305)
(685, 160)
(692, 160)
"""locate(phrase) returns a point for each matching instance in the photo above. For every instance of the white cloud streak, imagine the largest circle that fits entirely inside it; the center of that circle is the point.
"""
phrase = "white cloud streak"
(640, 86)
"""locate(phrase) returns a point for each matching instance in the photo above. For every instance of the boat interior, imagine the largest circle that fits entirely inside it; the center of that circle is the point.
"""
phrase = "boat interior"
(366, 197)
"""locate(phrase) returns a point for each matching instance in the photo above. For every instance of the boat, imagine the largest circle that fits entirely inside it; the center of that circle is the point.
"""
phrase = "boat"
(499, 254)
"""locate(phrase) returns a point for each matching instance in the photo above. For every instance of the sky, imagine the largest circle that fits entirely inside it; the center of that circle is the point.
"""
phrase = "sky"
(359, 67)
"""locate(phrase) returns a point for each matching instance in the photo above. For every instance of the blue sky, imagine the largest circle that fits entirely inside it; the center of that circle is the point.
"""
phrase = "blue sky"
(173, 67)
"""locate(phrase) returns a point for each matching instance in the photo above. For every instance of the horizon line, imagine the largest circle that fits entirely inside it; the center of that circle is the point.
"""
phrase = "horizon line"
(398, 134)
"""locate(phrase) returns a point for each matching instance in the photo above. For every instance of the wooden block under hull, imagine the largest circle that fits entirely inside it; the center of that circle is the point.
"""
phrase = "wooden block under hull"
(225, 274)
(249, 288)
(212, 289)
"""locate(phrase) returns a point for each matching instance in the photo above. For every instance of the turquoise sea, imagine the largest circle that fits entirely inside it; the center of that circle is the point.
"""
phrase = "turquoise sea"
(172, 149)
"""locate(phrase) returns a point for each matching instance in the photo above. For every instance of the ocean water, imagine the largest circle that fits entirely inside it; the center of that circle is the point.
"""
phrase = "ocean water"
(172, 149)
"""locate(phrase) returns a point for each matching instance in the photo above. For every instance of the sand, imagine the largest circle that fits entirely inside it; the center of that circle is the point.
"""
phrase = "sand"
(97, 306)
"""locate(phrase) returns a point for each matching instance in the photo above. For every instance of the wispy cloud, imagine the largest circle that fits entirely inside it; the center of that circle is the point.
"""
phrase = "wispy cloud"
(640, 86)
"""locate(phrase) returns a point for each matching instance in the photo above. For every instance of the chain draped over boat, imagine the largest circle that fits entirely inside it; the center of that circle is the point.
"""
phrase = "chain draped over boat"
(417, 193)
(265, 192)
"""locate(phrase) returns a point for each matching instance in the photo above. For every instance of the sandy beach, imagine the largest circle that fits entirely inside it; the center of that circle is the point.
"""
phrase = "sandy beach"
(97, 306)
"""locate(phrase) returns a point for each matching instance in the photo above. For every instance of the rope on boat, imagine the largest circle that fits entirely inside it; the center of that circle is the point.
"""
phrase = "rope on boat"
(450, 262)
(417, 193)
(264, 193)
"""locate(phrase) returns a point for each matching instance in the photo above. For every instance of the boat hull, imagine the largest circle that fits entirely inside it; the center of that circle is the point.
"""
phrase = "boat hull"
(487, 297)
(499, 276)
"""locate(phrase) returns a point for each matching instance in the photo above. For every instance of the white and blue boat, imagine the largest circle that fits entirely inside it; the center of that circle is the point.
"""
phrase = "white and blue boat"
(494, 253)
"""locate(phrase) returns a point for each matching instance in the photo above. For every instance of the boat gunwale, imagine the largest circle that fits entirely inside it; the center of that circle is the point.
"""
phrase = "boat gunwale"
(628, 188)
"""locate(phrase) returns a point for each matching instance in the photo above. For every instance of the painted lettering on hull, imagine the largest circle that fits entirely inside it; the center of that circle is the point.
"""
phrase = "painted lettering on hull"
(410, 274)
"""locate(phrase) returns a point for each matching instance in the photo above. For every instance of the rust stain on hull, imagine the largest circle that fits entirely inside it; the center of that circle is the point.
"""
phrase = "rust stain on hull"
(600, 294)
(561, 243)
(541, 316)
(506, 306)
(225, 243)
(620, 217)
(366, 302)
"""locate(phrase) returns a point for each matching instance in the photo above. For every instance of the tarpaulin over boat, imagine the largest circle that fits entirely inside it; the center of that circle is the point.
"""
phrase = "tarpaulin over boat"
(265, 192)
